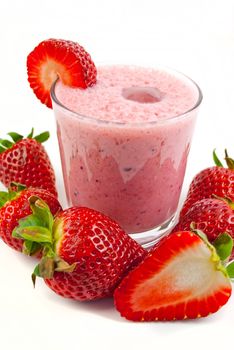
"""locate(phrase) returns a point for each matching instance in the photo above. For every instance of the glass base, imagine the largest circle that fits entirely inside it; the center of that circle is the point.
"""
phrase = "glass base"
(148, 238)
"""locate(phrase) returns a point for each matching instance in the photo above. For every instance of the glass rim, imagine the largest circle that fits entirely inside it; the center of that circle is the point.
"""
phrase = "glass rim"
(130, 123)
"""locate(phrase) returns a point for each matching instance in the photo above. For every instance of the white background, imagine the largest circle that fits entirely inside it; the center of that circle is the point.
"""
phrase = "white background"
(193, 36)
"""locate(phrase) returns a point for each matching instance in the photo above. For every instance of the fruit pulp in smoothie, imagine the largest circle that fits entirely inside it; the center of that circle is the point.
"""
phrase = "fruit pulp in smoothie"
(124, 143)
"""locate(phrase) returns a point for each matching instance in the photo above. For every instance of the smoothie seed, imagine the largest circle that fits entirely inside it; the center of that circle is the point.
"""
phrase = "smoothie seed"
(127, 169)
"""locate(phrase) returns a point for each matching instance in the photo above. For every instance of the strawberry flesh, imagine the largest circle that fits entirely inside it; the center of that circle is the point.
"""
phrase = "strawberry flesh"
(63, 59)
(180, 278)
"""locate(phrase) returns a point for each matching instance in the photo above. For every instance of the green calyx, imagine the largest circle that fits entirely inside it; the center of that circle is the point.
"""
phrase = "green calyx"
(12, 193)
(227, 200)
(221, 250)
(15, 137)
(223, 245)
(37, 232)
(229, 161)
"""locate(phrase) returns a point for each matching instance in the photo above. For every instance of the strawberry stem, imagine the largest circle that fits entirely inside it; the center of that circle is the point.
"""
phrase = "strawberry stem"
(30, 135)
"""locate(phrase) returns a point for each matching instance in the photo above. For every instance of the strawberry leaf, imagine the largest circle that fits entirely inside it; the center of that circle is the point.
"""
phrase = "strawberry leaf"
(33, 233)
(225, 199)
(229, 161)
(216, 160)
(35, 274)
(30, 220)
(42, 137)
(15, 137)
(46, 267)
(7, 196)
(223, 245)
(230, 269)
(36, 229)
(16, 187)
(4, 198)
(6, 143)
(2, 149)
(42, 212)
(63, 266)
(31, 248)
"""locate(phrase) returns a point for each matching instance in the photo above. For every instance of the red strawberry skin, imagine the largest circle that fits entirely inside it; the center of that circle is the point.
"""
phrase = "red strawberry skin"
(27, 163)
(215, 180)
(162, 287)
(104, 254)
(17, 209)
(210, 215)
(55, 58)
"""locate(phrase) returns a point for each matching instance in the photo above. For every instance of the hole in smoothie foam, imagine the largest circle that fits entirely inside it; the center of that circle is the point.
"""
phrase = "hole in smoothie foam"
(142, 94)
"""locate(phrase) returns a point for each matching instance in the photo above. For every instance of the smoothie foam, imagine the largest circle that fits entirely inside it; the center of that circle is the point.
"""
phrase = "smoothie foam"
(111, 98)
(130, 167)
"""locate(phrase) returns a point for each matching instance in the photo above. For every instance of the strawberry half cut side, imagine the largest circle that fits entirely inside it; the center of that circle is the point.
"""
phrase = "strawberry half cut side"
(63, 59)
(182, 277)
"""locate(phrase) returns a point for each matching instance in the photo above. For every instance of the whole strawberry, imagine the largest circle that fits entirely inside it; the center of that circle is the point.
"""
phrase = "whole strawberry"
(14, 205)
(210, 215)
(182, 277)
(215, 180)
(25, 161)
(85, 255)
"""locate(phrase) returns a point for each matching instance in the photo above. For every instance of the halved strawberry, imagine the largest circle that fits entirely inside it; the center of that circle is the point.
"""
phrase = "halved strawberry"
(182, 277)
(55, 58)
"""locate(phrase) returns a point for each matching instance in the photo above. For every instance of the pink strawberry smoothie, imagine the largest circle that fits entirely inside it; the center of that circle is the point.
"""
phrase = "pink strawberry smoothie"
(124, 142)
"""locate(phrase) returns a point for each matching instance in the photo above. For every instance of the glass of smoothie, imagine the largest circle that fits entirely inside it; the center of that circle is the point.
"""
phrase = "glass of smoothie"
(124, 144)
